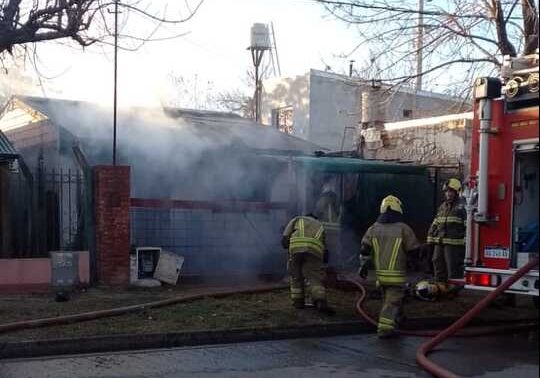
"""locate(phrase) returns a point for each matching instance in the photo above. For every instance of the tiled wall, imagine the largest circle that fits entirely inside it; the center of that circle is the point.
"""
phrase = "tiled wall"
(214, 243)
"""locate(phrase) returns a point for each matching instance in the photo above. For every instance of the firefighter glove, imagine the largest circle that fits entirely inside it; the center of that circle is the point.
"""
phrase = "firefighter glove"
(363, 271)
(364, 267)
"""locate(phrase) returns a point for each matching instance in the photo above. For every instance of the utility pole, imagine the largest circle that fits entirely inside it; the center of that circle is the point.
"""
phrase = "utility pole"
(257, 55)
(115, 100)
(260, 42)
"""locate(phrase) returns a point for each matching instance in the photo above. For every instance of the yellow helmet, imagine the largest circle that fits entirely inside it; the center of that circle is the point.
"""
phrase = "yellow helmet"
(430, 291)
(393, 203)
(453, 184)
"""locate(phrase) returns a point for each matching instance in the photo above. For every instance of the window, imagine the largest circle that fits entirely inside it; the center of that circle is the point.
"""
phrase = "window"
(407, 113)
(282, 119)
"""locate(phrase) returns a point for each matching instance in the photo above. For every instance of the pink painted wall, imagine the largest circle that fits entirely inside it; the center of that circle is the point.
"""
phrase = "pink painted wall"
(24, 275)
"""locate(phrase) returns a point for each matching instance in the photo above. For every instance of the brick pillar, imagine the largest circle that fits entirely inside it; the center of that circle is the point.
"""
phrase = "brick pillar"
(112, 199)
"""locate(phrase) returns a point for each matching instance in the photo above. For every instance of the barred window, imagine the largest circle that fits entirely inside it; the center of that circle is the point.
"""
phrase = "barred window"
(283, 119)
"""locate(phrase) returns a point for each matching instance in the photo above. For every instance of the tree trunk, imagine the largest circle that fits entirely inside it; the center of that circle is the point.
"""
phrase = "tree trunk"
(507, 48)
(530, 26)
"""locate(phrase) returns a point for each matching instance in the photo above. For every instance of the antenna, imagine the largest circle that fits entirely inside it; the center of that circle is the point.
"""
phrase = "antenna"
(115, 94)
(275, 49)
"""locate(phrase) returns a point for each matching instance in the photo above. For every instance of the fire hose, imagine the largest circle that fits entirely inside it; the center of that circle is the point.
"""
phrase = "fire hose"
(94, 315)
(421, 355)
(440, 336)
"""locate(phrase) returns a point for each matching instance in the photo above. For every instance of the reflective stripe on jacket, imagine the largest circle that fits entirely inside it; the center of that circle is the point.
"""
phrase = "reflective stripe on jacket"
(389, 243)
(305, 235)
(448, 227)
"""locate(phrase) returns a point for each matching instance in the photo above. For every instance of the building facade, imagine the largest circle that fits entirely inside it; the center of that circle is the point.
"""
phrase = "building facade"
(326, 108)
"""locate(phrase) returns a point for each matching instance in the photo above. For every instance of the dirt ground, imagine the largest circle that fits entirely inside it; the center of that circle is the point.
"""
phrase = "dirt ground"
(271, 309)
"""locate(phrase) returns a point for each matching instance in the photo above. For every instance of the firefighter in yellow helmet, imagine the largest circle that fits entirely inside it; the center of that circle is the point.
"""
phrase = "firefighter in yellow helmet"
(304, 237)
(447, 235)
(386, 243)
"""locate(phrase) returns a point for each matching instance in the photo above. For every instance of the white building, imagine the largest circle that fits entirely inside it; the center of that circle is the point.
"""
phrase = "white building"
(326, 108)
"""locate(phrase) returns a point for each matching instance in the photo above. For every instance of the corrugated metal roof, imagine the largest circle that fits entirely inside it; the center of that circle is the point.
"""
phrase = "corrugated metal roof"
(7, 151)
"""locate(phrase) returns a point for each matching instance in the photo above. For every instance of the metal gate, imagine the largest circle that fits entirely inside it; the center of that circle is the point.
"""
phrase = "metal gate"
(48, 210)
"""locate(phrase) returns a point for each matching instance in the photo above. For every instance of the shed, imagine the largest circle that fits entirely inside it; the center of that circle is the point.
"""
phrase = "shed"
(361, 185)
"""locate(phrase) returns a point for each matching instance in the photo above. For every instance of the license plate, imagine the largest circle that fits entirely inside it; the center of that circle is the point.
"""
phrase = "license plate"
(497, 253)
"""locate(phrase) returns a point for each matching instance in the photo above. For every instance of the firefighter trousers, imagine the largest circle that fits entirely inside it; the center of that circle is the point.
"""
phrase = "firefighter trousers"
(448, 262)
(392, 309)
(302, 266)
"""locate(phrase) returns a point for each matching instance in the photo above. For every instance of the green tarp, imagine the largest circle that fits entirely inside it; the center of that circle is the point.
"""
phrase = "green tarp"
(351, 165)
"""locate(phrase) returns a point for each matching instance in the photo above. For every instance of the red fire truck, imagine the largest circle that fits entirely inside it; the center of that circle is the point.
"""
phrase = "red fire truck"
(502, 195)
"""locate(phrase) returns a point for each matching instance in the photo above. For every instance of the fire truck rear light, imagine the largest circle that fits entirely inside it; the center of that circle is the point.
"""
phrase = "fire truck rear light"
(481, 279)
(484, 280)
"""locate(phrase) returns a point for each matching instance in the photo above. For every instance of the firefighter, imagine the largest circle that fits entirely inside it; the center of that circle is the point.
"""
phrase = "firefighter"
(327, 208)
(386, 243)
(447, 235)
(304, 237)
(328, 211)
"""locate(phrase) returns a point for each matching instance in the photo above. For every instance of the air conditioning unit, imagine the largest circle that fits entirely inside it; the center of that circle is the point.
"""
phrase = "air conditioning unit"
(143, 263)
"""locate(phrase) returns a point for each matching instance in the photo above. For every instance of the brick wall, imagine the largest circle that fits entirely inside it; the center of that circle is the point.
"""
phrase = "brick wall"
(112, 201)
(437, 143)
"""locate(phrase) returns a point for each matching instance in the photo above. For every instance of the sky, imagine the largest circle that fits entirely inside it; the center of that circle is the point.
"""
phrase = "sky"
(214, 51)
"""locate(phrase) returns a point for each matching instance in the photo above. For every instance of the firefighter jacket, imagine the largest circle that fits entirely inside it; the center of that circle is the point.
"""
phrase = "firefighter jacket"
(389, 243)
(328, 211)
(448, 227)
(305, 234)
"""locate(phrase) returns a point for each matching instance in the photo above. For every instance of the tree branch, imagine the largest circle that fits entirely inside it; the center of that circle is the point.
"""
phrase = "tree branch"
(36, 21)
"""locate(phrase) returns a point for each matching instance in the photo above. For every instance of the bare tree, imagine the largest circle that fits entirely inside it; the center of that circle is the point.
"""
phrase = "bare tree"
(471, 36)
(190, 92)
(86, 22)
(236, 101)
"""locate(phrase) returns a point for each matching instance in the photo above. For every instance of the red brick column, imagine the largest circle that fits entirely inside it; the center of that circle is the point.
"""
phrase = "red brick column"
(112, 199)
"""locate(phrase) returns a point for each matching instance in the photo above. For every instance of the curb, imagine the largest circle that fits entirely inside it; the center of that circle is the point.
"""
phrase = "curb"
(118, 343)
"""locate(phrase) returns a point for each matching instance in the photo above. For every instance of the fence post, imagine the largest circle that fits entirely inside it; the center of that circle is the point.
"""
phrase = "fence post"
(112, 194)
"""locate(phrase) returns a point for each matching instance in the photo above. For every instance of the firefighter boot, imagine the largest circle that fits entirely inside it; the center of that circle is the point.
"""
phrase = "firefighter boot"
(387, 334)
(323, 308)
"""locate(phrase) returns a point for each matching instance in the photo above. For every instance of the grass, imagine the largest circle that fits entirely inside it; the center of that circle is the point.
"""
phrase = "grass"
(272, 309)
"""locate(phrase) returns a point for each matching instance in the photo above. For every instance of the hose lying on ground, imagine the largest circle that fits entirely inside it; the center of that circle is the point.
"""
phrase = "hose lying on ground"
(455, 329)
(93, 315)
(421, 354)
(477, 331)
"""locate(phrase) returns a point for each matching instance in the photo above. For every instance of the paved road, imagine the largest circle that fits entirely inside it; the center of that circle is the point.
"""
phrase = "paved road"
(346, 356)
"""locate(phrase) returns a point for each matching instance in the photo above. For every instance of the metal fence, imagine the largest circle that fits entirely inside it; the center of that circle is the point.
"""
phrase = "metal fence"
(46, 212)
